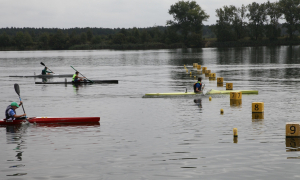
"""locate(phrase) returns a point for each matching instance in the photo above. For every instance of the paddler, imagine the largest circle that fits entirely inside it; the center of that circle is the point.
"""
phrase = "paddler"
(44, 71)
(10, 112)
(76, 78)
(198, 86)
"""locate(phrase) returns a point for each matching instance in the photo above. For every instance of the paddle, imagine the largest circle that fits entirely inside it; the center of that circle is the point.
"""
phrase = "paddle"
(47, 67)
(17, 89)
(203, 88)
(82, 75)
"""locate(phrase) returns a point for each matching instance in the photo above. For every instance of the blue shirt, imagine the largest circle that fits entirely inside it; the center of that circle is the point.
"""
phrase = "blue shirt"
(11, 112)
(198, 85)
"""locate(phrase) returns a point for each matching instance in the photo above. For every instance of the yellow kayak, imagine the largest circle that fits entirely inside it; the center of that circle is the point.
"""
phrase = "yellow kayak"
(228, 91)
(209, 92)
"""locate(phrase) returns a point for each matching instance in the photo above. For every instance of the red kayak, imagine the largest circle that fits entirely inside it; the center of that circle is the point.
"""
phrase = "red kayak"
(53, 120)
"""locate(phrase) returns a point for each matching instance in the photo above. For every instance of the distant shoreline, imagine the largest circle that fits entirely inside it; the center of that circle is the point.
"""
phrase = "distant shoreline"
(147, 46)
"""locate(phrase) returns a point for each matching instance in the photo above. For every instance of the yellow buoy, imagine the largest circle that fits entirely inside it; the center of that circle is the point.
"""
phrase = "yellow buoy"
(235, 132)
(229, 86)
(236, 95)
(209, 98)
(257, 107)
(222, 111)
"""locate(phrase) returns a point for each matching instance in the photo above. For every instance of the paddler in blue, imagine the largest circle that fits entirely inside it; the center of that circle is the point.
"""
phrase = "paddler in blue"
(76, 78)
(44, 71)
(10, 112)
(198, 86)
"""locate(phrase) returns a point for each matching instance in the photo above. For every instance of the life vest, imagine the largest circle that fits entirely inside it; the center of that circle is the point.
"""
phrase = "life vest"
(7, 115)
(74, 79)
(44, 71)
(198, 82)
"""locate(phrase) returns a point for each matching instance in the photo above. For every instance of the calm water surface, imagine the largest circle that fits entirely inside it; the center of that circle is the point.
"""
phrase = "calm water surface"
(152, 138)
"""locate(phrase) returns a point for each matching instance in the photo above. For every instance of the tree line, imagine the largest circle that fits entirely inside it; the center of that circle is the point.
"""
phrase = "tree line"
(254, 21)
(258, 21)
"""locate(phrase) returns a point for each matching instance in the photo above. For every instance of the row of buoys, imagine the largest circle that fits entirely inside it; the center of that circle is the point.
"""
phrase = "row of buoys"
(236, 98)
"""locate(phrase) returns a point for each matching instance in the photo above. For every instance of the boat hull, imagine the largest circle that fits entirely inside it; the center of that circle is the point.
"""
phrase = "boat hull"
(228, 91)
(209, 92)
(47, 76)
(53, 120)
(83, 82)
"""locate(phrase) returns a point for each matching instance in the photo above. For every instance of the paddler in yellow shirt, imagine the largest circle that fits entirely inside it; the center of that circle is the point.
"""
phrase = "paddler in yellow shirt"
(76, 78)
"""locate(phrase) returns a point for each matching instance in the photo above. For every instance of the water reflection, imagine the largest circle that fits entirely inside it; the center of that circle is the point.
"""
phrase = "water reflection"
(14, 135)
(198, 102)
(292, 144)
(76, 87)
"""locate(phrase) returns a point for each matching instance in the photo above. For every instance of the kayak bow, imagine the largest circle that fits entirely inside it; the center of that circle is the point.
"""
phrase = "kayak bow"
(209, 92)
(53, 120)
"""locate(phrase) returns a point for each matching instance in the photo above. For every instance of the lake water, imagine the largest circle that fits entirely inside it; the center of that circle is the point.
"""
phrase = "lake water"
(153, 138)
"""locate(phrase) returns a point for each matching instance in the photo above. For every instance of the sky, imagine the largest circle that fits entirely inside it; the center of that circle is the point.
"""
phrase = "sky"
(99, 13)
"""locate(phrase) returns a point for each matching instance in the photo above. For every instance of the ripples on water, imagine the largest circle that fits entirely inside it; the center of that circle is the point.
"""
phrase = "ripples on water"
(153, 138)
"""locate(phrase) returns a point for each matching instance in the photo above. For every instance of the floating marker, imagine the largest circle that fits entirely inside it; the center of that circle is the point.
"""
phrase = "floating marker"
(229, 86)
(187, 71)
(257, 107)
(212, 76)
(203, 70)
(199, 67)
(222, 111)
(236, 95)
(194, 77)
(235, 132)
(195, 64)
(209, 98)
(292, 129)
(207, 72)
(219, 81)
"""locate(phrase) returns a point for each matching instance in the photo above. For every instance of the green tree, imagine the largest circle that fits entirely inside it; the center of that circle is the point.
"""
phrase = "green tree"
(224, 28)
(188, 18)
(4, 40)
(273, 11)
(44, 39)
(27, 39)
(19, 40)
(238, 23)
(96, 40)
(291, 11)
(83, 38)
(124, 31)
(145, 36)
(119, 38)
(89, 34)
(58, 41)
(257, 16)
(136, 34)
(170, 36)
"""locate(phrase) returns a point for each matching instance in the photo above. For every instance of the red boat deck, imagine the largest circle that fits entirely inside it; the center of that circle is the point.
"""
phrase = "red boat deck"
(53, 120)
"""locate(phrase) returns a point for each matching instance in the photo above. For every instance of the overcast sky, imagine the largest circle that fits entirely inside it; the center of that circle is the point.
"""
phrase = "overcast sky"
(98, 13)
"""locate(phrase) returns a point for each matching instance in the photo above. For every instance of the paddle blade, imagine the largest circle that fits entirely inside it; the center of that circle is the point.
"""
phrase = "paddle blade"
(43, 64)
(17, 89)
